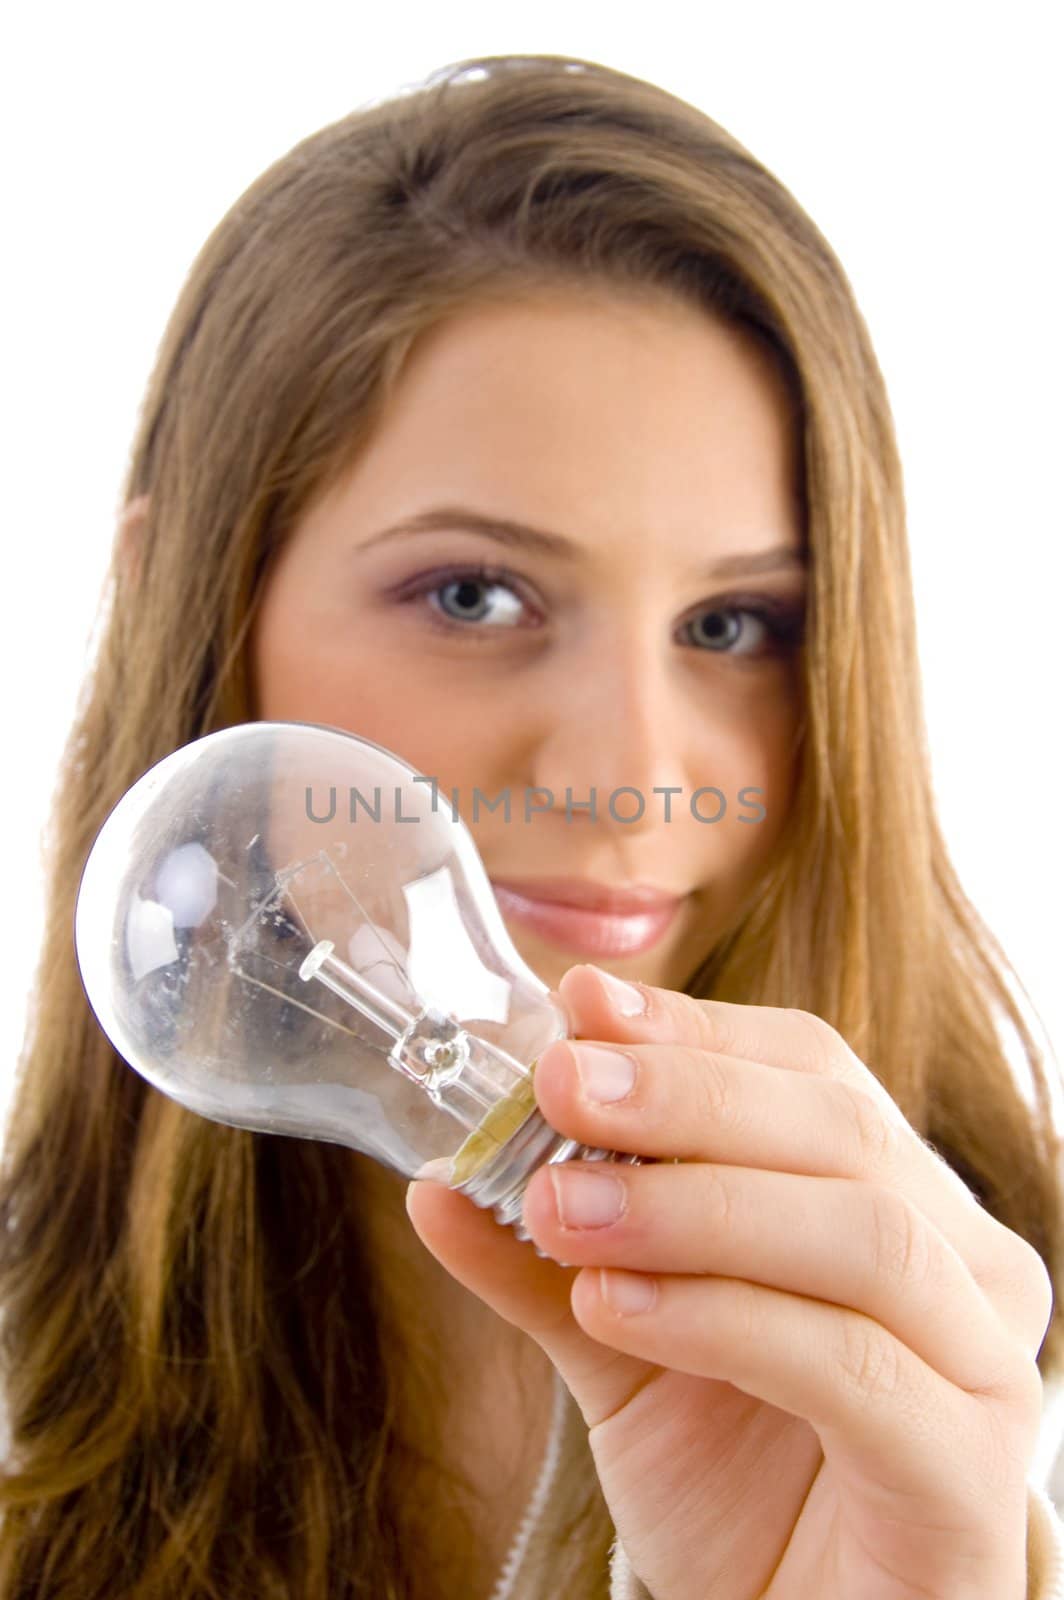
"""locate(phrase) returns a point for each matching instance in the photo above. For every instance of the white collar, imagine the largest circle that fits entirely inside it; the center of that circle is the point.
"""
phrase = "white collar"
(540, 1494)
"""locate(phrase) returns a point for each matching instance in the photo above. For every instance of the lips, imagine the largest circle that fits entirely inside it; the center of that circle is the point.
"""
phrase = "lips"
(593, 920)
(589, 896)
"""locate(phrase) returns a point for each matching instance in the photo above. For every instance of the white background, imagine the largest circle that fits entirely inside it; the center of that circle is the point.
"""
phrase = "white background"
(925, 143)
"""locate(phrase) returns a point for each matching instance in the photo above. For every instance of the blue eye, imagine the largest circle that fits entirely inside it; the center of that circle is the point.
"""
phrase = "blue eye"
(457, 605)
(722, 630)
(468, 606)
(460, 599)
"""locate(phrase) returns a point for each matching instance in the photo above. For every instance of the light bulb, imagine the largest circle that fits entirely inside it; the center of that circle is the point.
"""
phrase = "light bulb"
(282, 930)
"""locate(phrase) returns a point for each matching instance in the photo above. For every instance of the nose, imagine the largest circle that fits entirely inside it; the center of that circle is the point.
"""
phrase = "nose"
(618, 729)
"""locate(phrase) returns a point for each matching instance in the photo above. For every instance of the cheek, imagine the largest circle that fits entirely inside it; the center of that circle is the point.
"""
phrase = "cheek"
(777, 781)
(769, 743)
(763, 758)
(297, 673)
(302, 672)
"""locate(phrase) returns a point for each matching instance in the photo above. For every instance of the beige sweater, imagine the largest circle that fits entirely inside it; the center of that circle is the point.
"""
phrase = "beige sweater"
(518, 1578)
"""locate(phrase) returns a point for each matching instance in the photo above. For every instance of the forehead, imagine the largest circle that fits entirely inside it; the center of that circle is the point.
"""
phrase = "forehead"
(605, 416)
(561, 349)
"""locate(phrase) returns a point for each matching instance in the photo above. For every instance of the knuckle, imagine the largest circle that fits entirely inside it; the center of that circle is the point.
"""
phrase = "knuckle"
(868, 1359)
(1033, 1276)
(1016, 1385)
(822, 1042)
(1029, 1390)
(714, 1092)
(717, 1198)
(718, 1030)
(873, 1137)
(950, 1175)
(1011, 1269)
(902, 1250)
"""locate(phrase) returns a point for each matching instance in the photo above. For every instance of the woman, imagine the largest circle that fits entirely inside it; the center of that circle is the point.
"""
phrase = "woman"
(525, 425)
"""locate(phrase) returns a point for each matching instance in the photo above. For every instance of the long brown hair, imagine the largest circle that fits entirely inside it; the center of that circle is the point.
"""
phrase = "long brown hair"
(197, 1401)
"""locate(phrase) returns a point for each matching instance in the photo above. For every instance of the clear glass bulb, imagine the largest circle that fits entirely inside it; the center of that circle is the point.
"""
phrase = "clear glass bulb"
(283, 931)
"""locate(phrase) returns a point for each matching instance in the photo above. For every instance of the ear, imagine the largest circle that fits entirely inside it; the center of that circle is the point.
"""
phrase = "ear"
(129, 538)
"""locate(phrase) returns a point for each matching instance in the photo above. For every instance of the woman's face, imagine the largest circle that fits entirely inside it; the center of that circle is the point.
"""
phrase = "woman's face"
(651, 643)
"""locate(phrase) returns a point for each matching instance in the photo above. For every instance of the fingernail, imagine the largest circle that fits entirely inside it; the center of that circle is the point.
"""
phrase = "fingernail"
(625, 1000)
(604, 1074)
(586, 1199)
(627, 1292)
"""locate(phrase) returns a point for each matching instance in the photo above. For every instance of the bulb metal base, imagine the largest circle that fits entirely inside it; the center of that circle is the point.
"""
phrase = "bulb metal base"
(499, 1185)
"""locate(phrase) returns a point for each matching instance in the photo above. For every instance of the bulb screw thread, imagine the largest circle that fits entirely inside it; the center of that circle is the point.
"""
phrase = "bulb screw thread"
(499, 1185)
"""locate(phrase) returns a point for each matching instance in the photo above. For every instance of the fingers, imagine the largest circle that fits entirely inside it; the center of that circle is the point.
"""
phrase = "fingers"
(761, 1085)
(700, 1105)
(877, 1407)
(850, 1244)
(796, 1041)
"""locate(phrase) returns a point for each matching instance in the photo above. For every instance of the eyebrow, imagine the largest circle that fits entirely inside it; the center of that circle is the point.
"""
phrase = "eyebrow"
(506, 531)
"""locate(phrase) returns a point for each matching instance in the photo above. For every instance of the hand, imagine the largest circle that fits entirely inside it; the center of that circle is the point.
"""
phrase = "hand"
(834, 1392)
